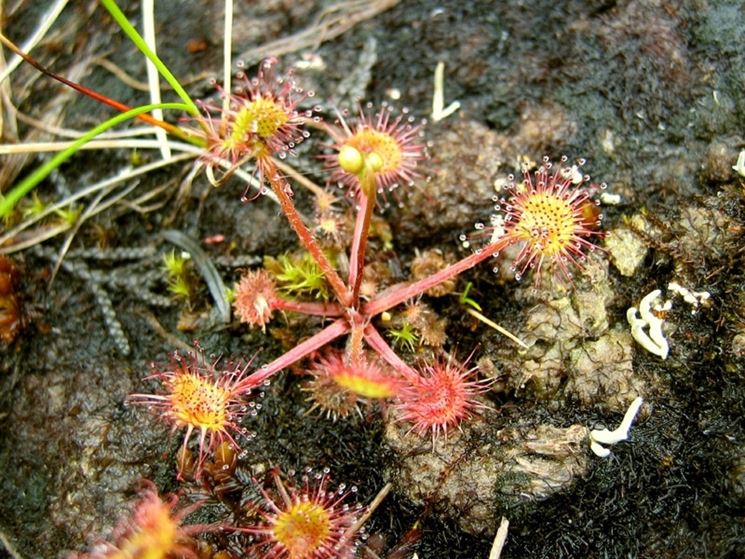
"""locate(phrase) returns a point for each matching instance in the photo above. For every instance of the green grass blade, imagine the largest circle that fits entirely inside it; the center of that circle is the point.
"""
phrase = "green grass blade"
(29, 183)
(137, 39)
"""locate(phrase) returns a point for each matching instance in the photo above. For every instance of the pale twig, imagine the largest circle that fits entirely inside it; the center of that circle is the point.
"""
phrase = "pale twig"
(37, 236)
(227, 63)
(47, 233)
(298, 177)
(379, 498)
(73, 231)
(125, 175)
(184, 189)
(157, 327)
(499, 539)
(129, 81)
(75, 134)
(136, 204)
(8, 122)
(120, 74)
(330, 23)
(439, 111)
(133, 144)
(153, 78)
(41, 147)
(52, 113)
(497, 327)
(49, 17)
(120, 197)
(190, 152)
(5, 540)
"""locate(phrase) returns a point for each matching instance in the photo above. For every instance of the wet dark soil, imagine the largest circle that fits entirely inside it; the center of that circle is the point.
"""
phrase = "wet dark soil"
(649, 92)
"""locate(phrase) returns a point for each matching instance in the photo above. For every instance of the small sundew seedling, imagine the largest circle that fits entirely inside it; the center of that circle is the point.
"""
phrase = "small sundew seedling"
(437, 400)
(339, 385)
(415, 326)
(201, 397)
(254, 298)
(306, 521)
(465, 300)
(330, 399)
(426, 263)
(154, 530)
(332, 227)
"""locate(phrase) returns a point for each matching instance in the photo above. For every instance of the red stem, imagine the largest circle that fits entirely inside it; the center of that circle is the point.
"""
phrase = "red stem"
(381, 347)
(354, 344)
(398, 295)
(305, 236)
(325, 336)
(359, 242)
(329, 310)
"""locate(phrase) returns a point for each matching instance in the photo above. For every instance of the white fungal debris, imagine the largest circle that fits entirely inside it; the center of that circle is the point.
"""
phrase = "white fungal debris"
(605, 437)
(497, 223)
(608, 199)
(654, 341)
(739, 167)
(651, 316)
(574, 174)
(693, 298)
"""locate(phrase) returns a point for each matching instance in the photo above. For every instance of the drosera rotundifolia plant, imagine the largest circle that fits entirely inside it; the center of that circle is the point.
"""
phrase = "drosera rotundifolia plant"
(545, 214)
(548, 214)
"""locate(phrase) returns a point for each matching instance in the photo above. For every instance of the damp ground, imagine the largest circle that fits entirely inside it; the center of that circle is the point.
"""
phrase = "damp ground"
(650, 93)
